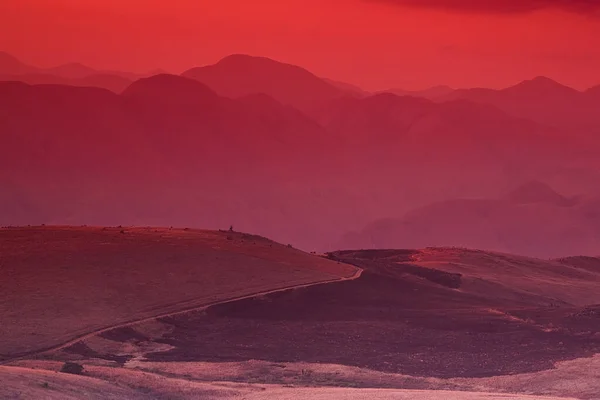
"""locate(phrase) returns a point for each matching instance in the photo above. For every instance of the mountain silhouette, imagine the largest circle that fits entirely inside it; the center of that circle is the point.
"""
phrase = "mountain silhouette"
(536, 192)
(113, 83)
(87, 154)
(348, 87)
(72, 70)
(10, 65)
(456, 149)
(540, 86)
(541, 100)
(70, 73)
(593, 93)
(431, 93)
(170, 88)
(241, 75)
(541, 228)
(170, 150)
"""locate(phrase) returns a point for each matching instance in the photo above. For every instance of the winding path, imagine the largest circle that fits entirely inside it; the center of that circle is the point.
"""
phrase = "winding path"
(79, 338)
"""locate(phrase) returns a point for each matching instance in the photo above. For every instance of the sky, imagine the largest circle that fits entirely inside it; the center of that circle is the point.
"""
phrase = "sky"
(376, 44)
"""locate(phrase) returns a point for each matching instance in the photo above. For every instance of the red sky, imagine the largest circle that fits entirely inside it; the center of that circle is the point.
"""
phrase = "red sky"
(373, 43)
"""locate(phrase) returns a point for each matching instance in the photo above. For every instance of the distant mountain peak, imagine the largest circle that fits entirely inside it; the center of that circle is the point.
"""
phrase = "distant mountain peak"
(537, 192)
(594, 89)
(10, 64)
(6, 57)
(157, 71)
(259, 63)
(237, 57)
(542, 84)
(544, 80)
(72, 70)
(239, 75)
(169, 87)
(593, 92)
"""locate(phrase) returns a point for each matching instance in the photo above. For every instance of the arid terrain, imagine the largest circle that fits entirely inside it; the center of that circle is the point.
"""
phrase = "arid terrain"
(62, 283)
(434, 323)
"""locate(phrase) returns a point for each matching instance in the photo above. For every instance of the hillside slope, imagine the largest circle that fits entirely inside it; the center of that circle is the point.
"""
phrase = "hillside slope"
(440, 312)
(98, 277)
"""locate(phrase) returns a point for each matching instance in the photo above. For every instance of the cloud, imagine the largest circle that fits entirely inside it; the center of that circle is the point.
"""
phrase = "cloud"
(502, 6)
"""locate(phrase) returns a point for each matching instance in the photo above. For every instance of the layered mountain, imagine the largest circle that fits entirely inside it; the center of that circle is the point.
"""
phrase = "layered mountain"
(171, 150)
(240, 75)
(114, 83)
(593, 93)
(532, 220)
(544, 101)
(456, 148)
(168, 150)
(72, 74)
(11, 65)
(432, 93)
(348, 87)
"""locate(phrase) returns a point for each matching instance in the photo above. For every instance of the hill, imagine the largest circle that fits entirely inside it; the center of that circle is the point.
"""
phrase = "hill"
(240, 75)
(593, 94)
(433, 322)
(536, 192)
(437, 312)
(532, 220)
(99, 277)
(430, 93)
(544, 101)
(114, 83)
(456, 147)
(10, 65)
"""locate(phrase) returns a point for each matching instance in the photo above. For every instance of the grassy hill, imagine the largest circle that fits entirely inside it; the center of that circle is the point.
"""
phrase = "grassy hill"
(63, 282)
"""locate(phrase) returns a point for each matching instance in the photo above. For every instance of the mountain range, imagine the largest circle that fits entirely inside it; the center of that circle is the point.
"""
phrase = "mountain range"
(544, 101)
(272, 148)
(532, 219)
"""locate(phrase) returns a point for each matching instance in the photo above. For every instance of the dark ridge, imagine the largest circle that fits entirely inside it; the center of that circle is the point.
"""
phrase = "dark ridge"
(537, 192)
(401, 255)
(85, 351)
(169, 88)
(124, 334)
(443, 278)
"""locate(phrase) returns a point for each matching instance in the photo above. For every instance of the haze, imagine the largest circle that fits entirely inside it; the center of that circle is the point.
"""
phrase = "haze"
(374, 44)
(325, 125)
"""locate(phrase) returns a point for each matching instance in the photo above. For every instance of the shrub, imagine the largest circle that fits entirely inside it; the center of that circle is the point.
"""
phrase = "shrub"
(72, 368)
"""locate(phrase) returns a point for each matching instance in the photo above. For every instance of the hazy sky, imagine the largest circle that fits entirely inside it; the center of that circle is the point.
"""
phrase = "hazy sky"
(377, 44)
